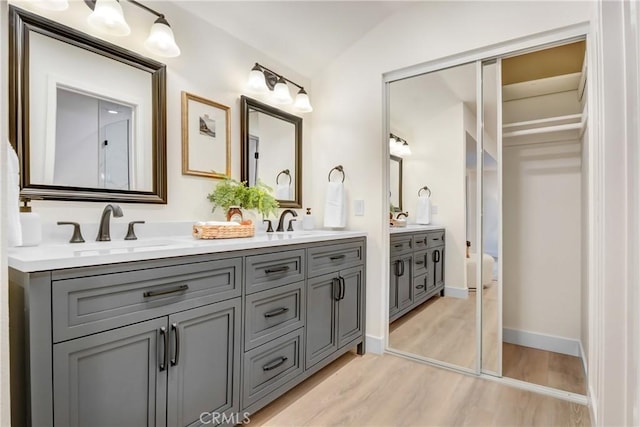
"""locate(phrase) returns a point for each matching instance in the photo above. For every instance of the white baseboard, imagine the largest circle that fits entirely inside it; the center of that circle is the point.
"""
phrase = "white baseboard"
(542, 341)
(373, 344)
(456, 292)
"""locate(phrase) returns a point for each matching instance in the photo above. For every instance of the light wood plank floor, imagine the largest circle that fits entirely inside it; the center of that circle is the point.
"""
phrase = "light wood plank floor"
(391, 391)
(543, 367)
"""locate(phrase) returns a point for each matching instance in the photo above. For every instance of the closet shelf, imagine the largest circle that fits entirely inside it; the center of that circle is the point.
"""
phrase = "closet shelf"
(541, 126)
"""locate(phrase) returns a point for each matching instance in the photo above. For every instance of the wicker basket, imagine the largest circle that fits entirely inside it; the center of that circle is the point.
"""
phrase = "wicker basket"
(223, 231)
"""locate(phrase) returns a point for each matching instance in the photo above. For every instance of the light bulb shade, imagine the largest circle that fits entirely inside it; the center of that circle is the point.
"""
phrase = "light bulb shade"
(161, 40)
(281, 93)
(302, 102)
(57, 5)
(257, 82)
(405, 150)
(107, 17)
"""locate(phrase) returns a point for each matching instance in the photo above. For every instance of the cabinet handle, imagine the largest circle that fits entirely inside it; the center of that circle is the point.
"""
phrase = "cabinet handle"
(177, 289)
(337, 257)
(343, 287)
(419, 262)
(176, 353)
(275, 363)
(165, 349)
(420, 287)
(402, 265)
(276, 312)
(397, 266)
(437, 252)
(335, 281)
(281, 269)
(398, 246)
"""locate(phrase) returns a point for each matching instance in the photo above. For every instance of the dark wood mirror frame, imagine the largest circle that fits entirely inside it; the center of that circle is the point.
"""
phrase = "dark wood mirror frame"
(21, 24)
(397, 159)
(247, 104)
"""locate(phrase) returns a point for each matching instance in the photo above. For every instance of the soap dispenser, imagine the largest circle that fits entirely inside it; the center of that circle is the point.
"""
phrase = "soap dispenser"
(307, 221)
(31, 225)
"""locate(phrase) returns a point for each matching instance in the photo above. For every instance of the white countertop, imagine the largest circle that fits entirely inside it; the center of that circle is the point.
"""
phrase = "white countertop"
(68, 255)
(412, 228)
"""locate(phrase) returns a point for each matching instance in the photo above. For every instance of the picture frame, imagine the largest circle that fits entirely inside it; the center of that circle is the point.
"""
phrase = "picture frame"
(206, 137)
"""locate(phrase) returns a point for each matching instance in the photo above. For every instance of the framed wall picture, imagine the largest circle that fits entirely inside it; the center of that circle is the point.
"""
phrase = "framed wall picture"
(206, 137)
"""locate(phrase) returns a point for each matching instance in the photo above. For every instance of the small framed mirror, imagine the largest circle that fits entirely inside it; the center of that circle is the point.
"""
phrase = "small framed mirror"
(271, 149)
(87, 118)
(395, 184)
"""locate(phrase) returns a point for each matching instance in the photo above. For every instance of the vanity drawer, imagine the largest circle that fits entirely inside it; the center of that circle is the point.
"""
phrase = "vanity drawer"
(269, 271)
(420, 262)
(86, 305)
(330, 258)
(436, 238)
(271, 366)
(401, 245)
(271, 313)
(420, 286)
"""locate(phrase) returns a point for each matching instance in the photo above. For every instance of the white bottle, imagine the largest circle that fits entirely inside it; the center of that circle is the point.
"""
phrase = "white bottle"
(31, 225)
(307, 221)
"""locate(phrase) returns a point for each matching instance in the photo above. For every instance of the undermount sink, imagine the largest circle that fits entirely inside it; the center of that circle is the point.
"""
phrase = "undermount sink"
(122, 246)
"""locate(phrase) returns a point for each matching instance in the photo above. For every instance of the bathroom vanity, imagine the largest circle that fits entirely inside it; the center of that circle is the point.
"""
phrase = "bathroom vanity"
(186, 330)
(416, 271)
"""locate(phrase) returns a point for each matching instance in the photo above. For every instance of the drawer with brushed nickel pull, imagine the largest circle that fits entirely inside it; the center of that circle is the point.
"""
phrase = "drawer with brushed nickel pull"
(274, 312)
(268, 271)
(327, 258)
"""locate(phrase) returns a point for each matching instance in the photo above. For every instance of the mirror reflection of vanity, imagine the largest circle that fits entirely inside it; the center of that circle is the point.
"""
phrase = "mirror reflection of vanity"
(87, 117)
(271, 146)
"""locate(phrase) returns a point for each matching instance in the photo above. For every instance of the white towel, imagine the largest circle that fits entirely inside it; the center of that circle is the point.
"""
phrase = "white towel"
(283, 192)
(423, 210)
(14, 228)
(335, 214)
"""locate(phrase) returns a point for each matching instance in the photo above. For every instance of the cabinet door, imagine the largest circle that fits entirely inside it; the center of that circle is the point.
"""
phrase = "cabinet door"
(439, 266)
(394, 269)
(322, 293)
(112, 378)
(350, 306)
(204, 363)
(405, 282)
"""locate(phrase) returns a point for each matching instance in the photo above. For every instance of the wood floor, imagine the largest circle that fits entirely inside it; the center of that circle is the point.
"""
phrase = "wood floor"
(543, 367)
(387, 390)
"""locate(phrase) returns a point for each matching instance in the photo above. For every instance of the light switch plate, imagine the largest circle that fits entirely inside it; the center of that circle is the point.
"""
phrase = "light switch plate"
(358, 207)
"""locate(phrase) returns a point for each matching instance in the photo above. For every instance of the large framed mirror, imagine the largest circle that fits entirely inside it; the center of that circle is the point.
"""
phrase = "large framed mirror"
(87, 118)
(395, 183)
(271, 150)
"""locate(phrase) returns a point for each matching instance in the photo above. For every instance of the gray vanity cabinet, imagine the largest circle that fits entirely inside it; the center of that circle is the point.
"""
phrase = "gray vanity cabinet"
(124, 362)
(416, 270)
(335, 299)
(166, 371)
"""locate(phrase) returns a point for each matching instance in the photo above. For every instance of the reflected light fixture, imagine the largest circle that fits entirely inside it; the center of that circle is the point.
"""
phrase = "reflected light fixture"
(262, 80)
(398, 146)
(107, 17)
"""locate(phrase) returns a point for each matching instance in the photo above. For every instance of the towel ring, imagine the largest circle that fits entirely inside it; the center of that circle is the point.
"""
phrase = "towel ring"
(338, 168)
(425, 188)
(286, 172)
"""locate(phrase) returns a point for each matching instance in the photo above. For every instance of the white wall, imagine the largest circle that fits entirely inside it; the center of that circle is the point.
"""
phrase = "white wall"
(348, 99)
(214, 65)
(438, 161)
(542, 238)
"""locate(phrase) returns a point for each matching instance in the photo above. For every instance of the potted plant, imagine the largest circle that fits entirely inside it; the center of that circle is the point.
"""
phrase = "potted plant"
(230, 193)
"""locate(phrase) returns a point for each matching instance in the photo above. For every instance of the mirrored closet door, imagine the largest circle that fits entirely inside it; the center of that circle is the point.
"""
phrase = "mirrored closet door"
(501, 146)
(435, 113)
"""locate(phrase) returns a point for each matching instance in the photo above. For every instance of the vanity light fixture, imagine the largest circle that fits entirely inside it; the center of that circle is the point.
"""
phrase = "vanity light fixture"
(398, 146)
(262, 79)
(108, 18)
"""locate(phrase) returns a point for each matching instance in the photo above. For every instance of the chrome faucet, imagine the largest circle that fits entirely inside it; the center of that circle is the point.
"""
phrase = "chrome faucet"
(281, 221)
(103, 228)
